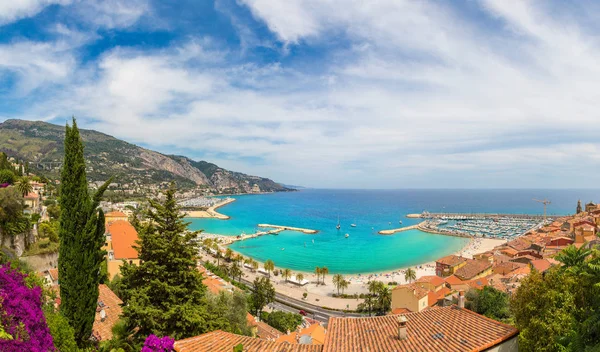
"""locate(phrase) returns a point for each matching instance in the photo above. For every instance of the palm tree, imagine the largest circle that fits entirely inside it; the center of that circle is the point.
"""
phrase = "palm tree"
(318, 271)
(228, 254)
(410, 275)
(269, 266)
(573, 256)
(375, 286)
(384, 301)
(254, 265)
(299, 277)
(218, 255)
(24, 187)
(338, 281)
(324, 271)
(239, 258)
(286, 274)
(235, 271)
(344, 285)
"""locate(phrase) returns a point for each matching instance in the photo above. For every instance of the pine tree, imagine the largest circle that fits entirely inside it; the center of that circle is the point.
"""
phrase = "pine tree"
(164, 293)
(81, 239)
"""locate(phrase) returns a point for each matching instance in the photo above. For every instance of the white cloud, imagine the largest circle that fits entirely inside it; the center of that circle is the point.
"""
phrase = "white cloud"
(421, 96)
(111, 13)
(12, 10)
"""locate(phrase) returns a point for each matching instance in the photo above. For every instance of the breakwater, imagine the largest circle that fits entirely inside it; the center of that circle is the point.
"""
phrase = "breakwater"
(393, 231)
(289, 228)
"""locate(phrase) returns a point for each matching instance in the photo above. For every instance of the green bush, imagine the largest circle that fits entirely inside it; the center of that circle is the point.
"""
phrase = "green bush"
(7, 176)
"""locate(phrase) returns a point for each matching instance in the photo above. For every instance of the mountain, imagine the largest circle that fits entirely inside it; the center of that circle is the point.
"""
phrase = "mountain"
(41, 144)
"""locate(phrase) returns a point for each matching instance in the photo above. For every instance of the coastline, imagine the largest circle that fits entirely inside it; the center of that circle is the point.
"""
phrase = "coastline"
(210, 212)
(322, 294)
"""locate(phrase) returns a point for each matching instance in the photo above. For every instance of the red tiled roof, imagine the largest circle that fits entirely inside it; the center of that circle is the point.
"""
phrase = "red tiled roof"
(432, 279)
(123, 236)
(478, 284)
(266, 331)
(32, 195)
(220, 341)
(107, 300)
(400, 311)
(472, 269)
(541, 265)
(451, 260)
(115, 214)
(53, 274)
(453, 280)
(519, 244)
(448, 329)
(443, 292)
(417, 289)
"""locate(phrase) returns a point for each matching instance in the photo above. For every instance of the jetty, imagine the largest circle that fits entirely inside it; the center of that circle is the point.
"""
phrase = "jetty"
(289, 228)
(393, 231)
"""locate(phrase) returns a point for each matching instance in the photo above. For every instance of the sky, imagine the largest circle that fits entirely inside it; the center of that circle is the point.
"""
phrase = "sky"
(323, 93)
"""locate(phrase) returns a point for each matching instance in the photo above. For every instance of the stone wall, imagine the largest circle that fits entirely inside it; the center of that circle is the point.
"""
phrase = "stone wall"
(41, 262)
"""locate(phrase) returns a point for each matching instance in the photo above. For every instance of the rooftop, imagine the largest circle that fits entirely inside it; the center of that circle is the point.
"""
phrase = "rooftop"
(449, 329)
(451, 260)
(123, 236)
(111, 304)
(432, 279)
(115, 214)
(472, 269)
(220, 341)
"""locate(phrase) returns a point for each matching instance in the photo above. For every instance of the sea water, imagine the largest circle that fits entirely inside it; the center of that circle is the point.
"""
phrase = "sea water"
(364, 250)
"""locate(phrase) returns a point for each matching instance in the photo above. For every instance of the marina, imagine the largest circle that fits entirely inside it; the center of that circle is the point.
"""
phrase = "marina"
(502, 227)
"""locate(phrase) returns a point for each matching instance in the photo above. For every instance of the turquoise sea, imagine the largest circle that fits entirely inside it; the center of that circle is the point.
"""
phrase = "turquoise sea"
(371, 210)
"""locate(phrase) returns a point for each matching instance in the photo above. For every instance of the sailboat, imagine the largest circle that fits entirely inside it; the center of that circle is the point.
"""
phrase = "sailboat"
(347, 235)
(338, 224)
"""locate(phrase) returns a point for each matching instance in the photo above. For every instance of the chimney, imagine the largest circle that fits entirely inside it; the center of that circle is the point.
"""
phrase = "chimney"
(102, 315)
(402, 333)
(461, 299)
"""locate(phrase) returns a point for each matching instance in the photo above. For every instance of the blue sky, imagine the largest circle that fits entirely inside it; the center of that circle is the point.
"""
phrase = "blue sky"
(336, 93)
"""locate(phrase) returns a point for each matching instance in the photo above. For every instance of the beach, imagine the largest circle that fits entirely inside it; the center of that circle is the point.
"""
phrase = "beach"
(211, 212)
(322, 294)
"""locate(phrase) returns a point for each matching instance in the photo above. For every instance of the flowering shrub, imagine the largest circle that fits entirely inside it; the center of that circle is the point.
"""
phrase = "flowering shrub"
(21, 316)
(155, 344)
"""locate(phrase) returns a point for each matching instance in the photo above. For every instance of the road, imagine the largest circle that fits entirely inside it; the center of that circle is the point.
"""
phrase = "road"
(289, 304)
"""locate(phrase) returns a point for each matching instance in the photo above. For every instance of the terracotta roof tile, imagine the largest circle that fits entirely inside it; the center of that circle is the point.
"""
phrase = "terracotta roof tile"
(111, 304)
(432, 279)
(115, 214)
(419, 291)
(451, 260)
(478, 284)
(448, 329)
(397, 311)
(123, 236)
(453, 280)
(220, 341)
(541, 265)
(53, 273)
(267, 332)
(472, 269)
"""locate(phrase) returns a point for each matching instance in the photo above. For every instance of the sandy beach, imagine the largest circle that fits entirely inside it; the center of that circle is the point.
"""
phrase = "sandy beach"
(321, 294)
(211, 212)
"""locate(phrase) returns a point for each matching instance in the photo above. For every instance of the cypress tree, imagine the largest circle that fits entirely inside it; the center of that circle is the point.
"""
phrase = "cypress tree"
(81, 238)
(165, 295)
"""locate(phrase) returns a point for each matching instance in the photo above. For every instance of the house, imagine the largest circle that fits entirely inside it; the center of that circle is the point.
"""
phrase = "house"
(519, 244)
(120, 239)
(454, 283)
(474, 269)
(525, 259)
(32, 202)
(414, 297)
(108, 313)
(429, 330)
(431, 282)
(560, 241)
(449, 329)
(51, 276)
(447, 265)
(590, 207)
(313, 334)
(221, 341)
(541, 265)
(506, 267)
(114, 216)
